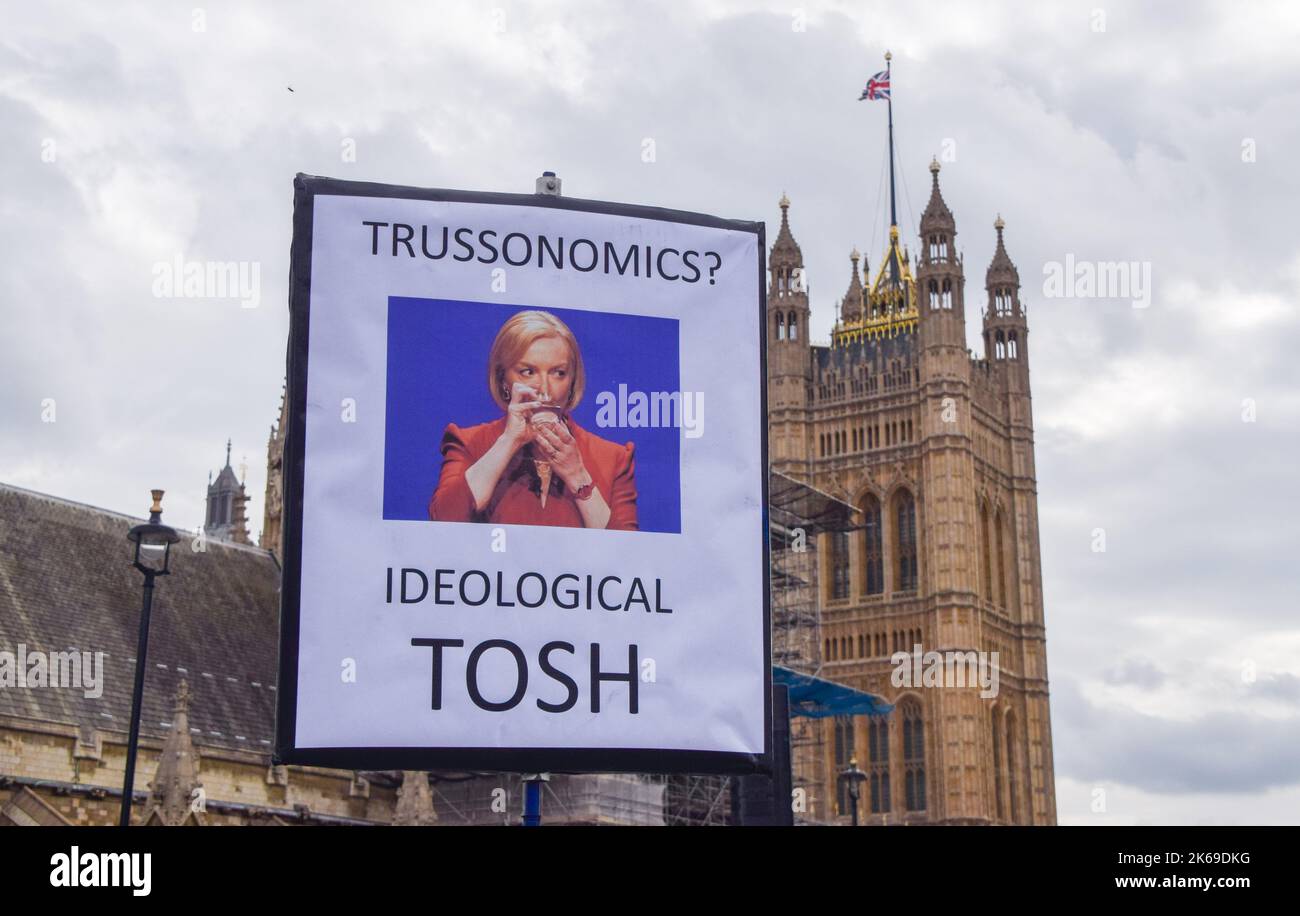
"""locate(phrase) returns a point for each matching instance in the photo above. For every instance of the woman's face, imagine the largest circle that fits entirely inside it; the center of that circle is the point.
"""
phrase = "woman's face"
(544, 367)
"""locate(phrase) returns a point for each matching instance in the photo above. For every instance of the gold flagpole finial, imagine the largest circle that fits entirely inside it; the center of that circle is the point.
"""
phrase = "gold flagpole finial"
(888, 57)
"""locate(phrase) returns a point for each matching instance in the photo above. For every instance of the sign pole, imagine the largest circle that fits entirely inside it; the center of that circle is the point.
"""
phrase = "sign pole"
(768, 801)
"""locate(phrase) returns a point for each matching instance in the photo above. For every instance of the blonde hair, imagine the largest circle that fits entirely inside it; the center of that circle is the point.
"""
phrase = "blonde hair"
(519, 333)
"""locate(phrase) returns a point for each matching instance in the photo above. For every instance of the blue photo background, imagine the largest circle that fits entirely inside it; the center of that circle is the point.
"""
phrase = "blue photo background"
(437, 374)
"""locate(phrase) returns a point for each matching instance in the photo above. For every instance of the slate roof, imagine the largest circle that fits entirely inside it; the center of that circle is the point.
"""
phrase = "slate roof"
(66, 582)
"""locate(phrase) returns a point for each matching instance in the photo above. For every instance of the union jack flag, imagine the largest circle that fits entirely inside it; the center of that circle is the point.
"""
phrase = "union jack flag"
(877, 87)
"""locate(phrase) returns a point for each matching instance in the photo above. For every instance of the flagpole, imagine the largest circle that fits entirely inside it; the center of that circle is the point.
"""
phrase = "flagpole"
(893, 214)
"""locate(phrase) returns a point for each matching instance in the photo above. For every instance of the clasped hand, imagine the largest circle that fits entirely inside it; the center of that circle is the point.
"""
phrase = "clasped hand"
(553, 441)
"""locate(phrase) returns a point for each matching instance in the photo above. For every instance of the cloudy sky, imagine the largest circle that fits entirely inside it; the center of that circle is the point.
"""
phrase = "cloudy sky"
(1163, 135)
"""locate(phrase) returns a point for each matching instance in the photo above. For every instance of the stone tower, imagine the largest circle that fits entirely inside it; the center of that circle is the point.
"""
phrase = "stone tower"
(934, 448)
(1022, 727)
(787, 350)
(949, 542)
(227, 502)
(272, 538)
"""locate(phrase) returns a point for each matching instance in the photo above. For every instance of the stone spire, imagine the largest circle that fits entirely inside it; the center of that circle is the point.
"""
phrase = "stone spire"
(1006, 332)
(172, 790)
(851, 304)
(1001, 269)
(936, 216)
(273, 504)
(785, 250)
(414, 801)
(225, 519)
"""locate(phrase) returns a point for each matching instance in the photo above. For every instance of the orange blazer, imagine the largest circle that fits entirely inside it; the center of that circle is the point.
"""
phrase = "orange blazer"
(516, 499)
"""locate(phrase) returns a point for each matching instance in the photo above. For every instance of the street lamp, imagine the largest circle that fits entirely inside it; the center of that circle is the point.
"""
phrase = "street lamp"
(855, 778)
(153, 548)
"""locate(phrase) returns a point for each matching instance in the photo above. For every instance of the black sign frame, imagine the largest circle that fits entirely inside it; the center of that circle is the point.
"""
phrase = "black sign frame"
(521, 760)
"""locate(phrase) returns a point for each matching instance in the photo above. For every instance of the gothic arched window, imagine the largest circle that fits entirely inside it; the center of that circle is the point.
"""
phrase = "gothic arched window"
(780, 325)
(1011, 767)
(905, 540)
(997, 764)
(987, 553)
(1011, 344)
(840, 564)
(1001, 561)
(913, 754)
(878, 735)
(934, 294)
(844, 752)
(947, 294)
(873, 547)
(1001, 346)
(793, 323)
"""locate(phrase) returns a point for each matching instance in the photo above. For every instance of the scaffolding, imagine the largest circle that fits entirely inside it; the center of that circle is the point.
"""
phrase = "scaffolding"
(590, 799)
(799, 516)
(693, 800)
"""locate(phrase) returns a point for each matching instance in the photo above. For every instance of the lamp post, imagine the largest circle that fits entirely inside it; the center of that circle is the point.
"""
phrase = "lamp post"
(153, 546)
(855, 778)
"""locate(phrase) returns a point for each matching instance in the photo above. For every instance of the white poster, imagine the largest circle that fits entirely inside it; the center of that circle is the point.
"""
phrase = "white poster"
(525, 485)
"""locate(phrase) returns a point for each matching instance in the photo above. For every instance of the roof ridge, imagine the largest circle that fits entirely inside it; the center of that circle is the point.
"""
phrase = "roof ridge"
(137, 519)
(48, 497)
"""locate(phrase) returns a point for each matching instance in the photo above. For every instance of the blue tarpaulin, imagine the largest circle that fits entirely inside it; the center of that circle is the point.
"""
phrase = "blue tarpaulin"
(816, 698)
